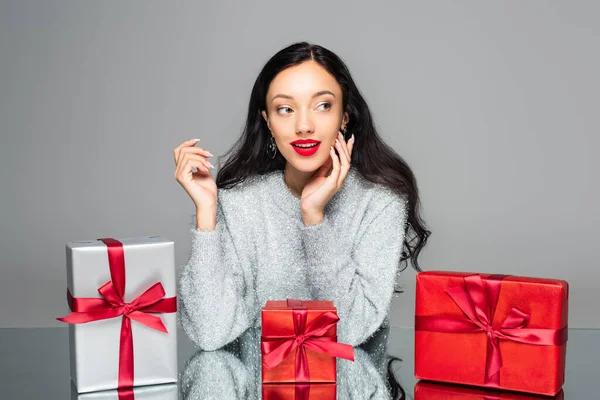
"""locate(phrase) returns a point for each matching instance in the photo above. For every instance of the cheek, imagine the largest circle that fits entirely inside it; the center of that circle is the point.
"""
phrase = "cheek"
(282, 127)
(331, 124)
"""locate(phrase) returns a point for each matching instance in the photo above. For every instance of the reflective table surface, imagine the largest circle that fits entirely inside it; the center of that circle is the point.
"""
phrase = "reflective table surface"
(34, 364)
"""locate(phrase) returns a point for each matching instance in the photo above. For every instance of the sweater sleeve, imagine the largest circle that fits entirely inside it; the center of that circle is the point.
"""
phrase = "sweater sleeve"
(360, 279)
(215, 295)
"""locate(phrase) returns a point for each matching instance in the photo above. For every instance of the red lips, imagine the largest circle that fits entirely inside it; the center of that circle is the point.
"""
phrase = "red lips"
(305, 141)
(306, 151)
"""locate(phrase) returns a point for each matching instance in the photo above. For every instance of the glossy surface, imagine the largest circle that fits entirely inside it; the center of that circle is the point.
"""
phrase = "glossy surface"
(34, 364)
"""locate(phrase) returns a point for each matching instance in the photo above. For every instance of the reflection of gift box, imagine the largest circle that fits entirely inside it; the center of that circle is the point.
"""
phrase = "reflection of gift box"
(122, 329)
(491, 330)
(299, 342)
(166, 391)
(298, 391)
(441, 391)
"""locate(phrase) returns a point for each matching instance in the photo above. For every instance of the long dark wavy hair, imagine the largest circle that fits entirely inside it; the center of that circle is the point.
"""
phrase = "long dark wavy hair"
(374, 160)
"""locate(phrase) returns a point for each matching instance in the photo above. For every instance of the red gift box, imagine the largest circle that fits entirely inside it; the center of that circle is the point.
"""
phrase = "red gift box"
(441, 391)
(494, 331)
(300, 391)
(299, 342)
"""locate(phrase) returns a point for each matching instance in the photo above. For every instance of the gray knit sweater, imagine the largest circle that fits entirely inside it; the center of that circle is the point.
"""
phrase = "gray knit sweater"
(261, 250)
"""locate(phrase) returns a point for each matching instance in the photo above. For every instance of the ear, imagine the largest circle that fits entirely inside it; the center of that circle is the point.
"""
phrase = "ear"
(346, 118)
(266, 117)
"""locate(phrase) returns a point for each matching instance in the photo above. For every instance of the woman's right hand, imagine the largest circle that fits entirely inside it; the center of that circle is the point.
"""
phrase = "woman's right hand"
(200, 185)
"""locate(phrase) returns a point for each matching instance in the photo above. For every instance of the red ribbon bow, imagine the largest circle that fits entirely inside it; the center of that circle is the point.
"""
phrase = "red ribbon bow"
(276, 349)
(478, 300)
(112, 305)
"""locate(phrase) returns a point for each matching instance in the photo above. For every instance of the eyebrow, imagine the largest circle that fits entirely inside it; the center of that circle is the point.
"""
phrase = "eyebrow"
(321, 93)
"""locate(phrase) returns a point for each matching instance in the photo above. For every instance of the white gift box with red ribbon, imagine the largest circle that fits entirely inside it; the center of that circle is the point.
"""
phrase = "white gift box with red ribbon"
(122, 328)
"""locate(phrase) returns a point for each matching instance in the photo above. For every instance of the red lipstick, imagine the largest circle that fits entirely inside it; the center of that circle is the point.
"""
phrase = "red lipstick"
(306, 147)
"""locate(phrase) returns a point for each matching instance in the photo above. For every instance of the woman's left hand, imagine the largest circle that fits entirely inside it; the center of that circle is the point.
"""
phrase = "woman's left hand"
(321, 188)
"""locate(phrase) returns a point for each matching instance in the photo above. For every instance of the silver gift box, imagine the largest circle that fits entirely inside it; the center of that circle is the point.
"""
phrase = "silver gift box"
(94, 346)
(155, 392)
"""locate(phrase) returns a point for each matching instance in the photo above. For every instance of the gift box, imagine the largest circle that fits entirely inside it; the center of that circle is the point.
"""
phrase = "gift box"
(122, 328)
(440, 391)
(299, 391)
(299, 342)
(493, 331)
(166, 391)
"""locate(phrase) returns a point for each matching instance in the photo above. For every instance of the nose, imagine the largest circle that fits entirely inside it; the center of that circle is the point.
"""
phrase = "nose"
(304, 123)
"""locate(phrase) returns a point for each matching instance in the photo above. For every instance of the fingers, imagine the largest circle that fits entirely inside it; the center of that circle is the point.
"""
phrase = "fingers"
(189, 161)
(187, 143)
(335, 172)
(351, 146)
(344, 160)
(324, 169)
(189, 146)
(341, 142)
(194, 151)
(185, 167)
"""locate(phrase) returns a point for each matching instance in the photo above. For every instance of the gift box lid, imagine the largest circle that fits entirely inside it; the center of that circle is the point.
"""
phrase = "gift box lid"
(516, 278)
(126, 241)
(316, 305)
(432, 285)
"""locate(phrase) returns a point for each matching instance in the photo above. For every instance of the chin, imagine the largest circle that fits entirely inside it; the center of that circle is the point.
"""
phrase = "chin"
(305, 164)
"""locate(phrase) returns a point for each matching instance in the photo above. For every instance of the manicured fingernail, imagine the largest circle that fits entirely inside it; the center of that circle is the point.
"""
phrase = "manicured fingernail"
(352, 138)
(337, 141)
(208, 152)
(196, 140)
(212, 166)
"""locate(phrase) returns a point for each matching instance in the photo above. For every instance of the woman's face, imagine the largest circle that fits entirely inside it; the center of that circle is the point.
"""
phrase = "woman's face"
(304, 104)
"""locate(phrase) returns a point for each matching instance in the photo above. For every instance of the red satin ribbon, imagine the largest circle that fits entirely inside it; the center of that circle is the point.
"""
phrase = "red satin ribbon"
(491, 397)
(112, 305)
(478, 300)
(126, 394)
(276, 348)
(302, 391)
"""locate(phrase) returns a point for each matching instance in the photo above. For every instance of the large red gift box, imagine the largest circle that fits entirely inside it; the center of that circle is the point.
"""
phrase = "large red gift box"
(301, 391)
(299, 342)
(494, 331)
(444, 391)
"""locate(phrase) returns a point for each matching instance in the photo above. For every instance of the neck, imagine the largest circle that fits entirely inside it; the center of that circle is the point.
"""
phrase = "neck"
(296, 180)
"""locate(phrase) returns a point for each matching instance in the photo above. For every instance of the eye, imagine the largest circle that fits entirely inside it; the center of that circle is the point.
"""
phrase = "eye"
(284, 110)
(326, 105)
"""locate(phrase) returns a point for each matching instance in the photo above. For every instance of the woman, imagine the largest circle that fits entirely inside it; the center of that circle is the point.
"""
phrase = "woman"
(310, 204)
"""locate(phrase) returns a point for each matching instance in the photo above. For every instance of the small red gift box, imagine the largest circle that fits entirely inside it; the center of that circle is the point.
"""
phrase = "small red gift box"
(299, 342)
(300, 391)
(441, 391)
(491, 330)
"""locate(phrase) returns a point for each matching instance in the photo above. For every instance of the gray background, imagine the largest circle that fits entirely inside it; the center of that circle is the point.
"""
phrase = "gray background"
(493, 104)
